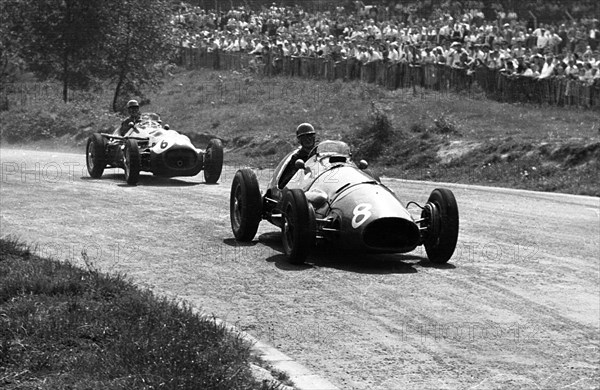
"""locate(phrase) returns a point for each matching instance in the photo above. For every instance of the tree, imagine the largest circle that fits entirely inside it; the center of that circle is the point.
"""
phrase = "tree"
(138, 39)
(78, 41)
(59, 39)
(11, 22)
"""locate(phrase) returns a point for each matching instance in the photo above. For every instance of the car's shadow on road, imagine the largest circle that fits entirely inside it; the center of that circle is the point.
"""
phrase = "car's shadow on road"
(235, 243)
(332, 257)
(147, 181)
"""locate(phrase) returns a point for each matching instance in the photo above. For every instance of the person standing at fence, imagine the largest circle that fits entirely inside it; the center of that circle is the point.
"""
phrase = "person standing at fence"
(482, 53)
(554, 42)
(453, 56)
(548, 68)
(571, 68)
(258, 49)
(393, 56)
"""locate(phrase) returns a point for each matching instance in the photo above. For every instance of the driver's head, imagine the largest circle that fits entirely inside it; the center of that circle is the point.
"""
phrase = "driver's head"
(306, 135)
(133, 107)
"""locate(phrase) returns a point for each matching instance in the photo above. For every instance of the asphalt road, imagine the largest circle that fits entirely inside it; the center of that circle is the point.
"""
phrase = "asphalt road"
(518, 306)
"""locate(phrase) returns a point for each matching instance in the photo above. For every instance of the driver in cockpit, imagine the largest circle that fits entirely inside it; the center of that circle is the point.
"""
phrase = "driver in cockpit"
(305, 133)
(133, 108)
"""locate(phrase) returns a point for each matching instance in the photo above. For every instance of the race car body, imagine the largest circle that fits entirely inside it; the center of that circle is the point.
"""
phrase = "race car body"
(150, 146)
(331, 199)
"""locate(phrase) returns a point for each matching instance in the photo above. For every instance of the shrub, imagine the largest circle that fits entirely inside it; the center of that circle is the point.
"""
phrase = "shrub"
(444, 125)
(372, 137)
(51, 120)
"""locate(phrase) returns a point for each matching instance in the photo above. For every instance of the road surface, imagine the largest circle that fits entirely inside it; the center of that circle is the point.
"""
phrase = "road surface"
(518, 306)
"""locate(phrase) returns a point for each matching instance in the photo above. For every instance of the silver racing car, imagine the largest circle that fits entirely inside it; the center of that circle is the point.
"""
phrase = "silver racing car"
(150, 146)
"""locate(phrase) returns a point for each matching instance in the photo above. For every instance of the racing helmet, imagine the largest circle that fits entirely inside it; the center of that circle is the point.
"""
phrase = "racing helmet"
(132, 103)
(304, 129)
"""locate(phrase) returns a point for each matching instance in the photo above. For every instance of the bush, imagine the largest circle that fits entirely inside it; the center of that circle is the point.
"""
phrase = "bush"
(444, 125)
(46, 121)
(372, 137)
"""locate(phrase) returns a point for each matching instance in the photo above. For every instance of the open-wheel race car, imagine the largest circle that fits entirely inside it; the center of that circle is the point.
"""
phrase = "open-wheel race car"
(150, 146)
(332, 199)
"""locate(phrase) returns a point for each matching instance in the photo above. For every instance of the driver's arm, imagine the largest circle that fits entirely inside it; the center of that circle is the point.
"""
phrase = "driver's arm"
(124, 127)
(289, 170)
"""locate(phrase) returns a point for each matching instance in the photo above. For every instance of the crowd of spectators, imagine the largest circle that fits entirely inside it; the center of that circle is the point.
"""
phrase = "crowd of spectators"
(459, 35)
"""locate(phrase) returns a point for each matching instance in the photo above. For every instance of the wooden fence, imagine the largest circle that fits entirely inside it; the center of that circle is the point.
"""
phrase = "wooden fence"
(496, 85)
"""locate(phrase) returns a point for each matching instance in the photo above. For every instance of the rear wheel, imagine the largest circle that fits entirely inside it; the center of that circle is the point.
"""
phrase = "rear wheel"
(213, 161)
(245, 205)
(441, 214)
(132, 162)
(96, 155)
(298, 229)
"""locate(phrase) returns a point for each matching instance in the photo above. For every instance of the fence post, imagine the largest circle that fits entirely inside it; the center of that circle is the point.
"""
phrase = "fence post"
(553, 91)
(217, 59)
(535, 24)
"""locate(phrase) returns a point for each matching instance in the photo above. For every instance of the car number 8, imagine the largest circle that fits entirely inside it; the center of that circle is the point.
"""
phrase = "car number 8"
(360, 214)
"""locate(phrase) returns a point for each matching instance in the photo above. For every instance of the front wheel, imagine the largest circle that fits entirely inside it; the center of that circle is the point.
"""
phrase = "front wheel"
(297, 235)
(95, 152)
(132, 162)
(441, 216)
(245, 205)
(213, 161)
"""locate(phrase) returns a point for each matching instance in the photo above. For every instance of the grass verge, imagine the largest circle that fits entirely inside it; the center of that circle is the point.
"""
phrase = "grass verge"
(63, 327)
(412, 134)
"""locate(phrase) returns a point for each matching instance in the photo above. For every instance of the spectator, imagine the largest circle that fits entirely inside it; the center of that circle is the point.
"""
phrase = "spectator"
(548, 68)
(461, 34)
(554, 41)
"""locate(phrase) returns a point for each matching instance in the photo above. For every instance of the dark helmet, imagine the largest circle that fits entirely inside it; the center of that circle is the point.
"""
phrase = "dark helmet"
(305, 128)
(133, 103)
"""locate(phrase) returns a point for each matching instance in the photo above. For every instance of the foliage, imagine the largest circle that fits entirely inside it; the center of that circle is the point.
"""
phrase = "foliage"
(139, 42)
(67, 327)
(59, 39)
(47, 119)
(434, 137)
(79, 42)
(11, 25)
(444, 125)
(371, 139)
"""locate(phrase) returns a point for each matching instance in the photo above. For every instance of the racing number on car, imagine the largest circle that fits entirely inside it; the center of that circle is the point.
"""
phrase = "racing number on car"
(360, 214)
(163, 144)
(329, 176)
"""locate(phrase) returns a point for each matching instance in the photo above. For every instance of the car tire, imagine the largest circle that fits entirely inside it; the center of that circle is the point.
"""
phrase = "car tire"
(131, 161)
(95, 152)
(245, 205)
(213, 161)
(441, 212)
(298, 235)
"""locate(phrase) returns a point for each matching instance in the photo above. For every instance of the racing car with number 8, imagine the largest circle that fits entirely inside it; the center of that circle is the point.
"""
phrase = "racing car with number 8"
(330, 198)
